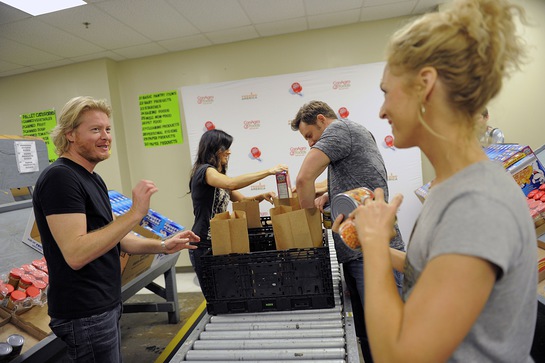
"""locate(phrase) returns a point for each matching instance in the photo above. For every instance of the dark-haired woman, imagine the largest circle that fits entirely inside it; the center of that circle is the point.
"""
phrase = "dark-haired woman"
(212, 190)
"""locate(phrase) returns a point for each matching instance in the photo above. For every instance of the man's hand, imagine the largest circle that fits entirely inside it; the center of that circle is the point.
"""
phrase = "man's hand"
(180, 241)
(321, 201)
(141, 196)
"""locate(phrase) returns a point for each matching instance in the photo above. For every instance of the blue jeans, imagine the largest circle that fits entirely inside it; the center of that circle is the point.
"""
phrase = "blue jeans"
(95, 338)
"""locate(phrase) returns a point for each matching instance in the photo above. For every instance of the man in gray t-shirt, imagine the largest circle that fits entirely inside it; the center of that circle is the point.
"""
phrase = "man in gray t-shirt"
(352, 157)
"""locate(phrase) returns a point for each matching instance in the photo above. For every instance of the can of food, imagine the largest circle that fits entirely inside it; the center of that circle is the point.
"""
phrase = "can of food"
(326, 218)
(349, 235)
(345, 203)
(16, 341)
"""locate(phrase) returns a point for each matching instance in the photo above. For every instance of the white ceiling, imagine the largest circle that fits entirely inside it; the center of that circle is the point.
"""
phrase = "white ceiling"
(126, 29)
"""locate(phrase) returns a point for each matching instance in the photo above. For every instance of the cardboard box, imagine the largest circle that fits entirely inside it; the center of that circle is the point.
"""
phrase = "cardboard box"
(528, 172)
(507, 154)
(31, 237)
(131, 265)
(134, 265)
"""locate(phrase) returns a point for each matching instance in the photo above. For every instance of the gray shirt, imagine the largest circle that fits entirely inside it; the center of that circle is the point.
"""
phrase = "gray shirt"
(481, 212)
(355, 161)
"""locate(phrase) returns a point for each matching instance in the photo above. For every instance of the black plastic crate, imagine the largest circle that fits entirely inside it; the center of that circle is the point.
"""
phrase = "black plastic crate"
(262, 239)
(266, 226)
(294, 279)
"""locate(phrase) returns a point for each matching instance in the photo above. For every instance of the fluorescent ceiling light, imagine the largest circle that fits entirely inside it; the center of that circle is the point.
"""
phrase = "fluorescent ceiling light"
(39, 7)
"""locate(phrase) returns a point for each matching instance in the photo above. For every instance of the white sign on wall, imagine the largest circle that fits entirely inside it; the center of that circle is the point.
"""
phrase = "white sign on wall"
(257, 113)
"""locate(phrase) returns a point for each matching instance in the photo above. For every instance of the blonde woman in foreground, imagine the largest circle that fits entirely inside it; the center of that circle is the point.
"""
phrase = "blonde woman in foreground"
(469, 293)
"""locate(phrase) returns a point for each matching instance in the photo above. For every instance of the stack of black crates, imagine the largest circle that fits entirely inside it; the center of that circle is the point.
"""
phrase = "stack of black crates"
(266, 279)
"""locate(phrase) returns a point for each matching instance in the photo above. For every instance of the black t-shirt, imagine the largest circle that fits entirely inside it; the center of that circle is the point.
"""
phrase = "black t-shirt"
(207, 202)
(66, 187)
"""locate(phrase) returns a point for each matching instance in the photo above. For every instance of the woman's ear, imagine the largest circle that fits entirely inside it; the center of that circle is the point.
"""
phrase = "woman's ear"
(427, 77)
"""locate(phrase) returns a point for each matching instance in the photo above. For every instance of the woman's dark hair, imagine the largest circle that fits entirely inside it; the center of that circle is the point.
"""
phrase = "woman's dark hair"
(211, 144)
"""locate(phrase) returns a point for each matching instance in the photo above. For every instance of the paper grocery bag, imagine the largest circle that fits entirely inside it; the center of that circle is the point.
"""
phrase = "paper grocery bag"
(289, 202)
(296, 228)
(229, 233)
(253, 217)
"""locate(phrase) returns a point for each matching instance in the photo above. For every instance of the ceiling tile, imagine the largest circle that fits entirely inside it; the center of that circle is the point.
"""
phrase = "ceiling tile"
(9, 14)
(335, 19)
(103, 30)
(47, 38)
(157, 20)
(23, 55)
(212, 15)
(316, 7)
(265, 11)
(126, 29)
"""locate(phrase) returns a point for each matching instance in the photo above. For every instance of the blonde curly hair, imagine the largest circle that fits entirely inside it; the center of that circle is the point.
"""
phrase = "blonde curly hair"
(472, 44)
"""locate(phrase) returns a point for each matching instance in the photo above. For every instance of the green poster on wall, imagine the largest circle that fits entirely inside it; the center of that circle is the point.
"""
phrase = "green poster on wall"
(40, 124)
(160, 116)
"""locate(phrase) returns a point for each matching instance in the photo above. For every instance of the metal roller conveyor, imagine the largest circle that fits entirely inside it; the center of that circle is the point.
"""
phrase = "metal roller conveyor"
(298, 336)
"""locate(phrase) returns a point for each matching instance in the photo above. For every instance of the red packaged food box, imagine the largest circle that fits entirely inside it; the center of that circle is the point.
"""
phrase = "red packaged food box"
(283, 184)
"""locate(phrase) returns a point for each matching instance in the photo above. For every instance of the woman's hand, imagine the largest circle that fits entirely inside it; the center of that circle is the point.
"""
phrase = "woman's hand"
(278, 168)
(266, 196)
(337, 223)
(375, 219)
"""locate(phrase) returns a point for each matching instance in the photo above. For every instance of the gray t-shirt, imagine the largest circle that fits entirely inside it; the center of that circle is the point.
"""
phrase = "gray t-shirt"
(355, 161)
(481, 212)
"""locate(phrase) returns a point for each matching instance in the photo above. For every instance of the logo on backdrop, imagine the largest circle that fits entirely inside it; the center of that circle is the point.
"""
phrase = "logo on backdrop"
(258, 186)
(341, 85)
(296, 89)
(343, 112)
(389, 142)
(251, 96)
(298, 151)
(205, 100)
(251, 124)
(209, 125)
(255, 153)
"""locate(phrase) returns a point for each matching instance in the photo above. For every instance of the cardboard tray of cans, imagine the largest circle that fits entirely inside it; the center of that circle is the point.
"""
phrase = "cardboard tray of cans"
(271, 280)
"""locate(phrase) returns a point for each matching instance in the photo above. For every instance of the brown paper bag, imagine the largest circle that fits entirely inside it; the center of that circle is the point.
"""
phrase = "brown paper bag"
(290, 202)
(296, 228)
(251, 208)
(229, 233)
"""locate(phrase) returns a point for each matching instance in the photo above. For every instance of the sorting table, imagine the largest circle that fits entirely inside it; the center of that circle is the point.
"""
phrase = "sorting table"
(14, 252)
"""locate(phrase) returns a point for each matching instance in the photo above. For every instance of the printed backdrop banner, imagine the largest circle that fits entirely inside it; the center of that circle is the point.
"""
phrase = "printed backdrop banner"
(257, 113)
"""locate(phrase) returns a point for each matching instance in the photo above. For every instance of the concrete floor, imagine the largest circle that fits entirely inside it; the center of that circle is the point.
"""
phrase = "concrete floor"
(144, 336)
